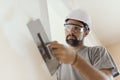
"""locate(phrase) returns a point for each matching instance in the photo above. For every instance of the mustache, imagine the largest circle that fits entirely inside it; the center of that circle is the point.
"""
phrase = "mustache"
(71, 35)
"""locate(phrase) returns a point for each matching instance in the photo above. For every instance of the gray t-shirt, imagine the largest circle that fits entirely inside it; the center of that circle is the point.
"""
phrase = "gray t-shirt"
(97, 56)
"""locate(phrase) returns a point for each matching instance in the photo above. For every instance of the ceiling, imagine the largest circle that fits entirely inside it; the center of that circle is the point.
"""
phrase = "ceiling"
(105, 16)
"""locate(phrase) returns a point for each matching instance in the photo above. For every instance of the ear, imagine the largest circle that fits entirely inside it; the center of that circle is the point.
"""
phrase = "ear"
(86, 32)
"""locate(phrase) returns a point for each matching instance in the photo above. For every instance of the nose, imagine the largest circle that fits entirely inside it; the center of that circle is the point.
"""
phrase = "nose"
(71, 31)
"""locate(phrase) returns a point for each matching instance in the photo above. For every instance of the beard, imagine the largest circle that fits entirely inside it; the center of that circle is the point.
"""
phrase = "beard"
(73, 41)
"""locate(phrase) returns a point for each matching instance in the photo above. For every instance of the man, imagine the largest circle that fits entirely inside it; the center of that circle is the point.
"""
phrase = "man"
(79, 62)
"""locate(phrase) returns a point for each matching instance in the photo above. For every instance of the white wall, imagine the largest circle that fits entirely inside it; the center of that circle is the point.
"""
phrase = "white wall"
(57, 13)
(115, 52)
(56, 17)
(19, 56)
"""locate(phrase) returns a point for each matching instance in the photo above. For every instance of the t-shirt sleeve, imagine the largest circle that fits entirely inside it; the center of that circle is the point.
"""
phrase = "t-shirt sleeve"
(102, 59)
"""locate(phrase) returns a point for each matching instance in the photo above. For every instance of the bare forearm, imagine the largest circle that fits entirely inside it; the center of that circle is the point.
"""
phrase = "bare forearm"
(88, 71)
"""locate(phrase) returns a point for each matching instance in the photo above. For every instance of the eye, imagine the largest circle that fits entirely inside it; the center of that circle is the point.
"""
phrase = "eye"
(76, 28)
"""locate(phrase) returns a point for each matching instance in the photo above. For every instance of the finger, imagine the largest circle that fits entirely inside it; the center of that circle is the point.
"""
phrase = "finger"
(55, 46)
(57, 52)
(60, 58)
(53, 42)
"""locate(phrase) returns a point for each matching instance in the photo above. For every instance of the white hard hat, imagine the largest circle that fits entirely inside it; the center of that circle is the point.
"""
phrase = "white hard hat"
(80, 15)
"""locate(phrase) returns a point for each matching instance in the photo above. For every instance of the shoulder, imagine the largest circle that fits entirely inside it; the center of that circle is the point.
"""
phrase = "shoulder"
(98, 50)
(98, 47)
